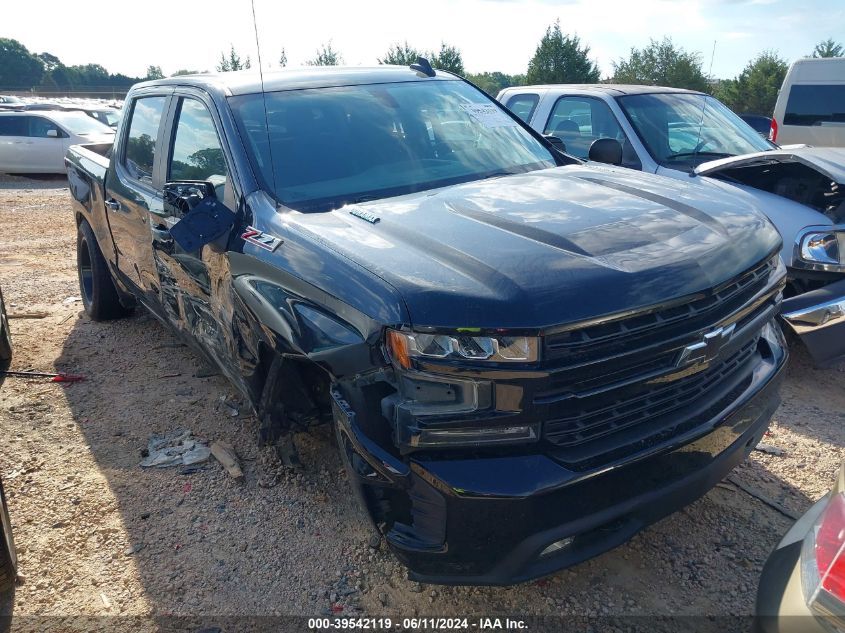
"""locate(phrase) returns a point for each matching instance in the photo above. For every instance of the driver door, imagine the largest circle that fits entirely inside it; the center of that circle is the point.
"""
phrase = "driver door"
(195, 153)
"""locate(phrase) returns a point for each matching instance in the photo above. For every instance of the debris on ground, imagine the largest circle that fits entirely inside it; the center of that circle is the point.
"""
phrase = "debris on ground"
(176, 448)
(29, 315)
(225, 454)
(767, 500)
(43, 374)
(231, 406)
(71, 300)
(769, 449)
(206, 371)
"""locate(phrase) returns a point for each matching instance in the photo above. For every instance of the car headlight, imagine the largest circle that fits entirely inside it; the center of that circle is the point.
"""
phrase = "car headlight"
(823, 247)
(404, 346)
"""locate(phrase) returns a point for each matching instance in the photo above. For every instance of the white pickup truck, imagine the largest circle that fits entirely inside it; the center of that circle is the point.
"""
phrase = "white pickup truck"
(689, 135)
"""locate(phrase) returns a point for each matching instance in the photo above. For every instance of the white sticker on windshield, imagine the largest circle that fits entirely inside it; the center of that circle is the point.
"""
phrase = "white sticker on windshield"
(488, 115)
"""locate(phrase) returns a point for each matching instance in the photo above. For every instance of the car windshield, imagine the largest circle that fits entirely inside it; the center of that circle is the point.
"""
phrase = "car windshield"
(683, 130)
(339, 145)
(110, 117)
(81, 124)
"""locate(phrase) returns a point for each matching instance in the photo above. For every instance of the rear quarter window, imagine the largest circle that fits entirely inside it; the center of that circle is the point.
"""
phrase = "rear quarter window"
(139, 156)
(813, 104)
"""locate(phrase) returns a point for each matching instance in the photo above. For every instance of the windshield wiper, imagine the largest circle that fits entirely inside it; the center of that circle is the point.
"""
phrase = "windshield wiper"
(683, 154)
(499, 174)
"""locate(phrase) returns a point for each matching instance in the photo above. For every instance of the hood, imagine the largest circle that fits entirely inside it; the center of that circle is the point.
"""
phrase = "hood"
(547, 247)
(828, 161)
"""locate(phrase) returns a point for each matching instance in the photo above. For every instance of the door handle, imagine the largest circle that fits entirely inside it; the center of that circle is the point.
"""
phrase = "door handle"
(112, 204)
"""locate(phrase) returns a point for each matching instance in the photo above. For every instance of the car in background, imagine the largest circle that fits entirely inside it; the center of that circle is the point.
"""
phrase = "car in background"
(760, 124)
(802, 587)
(811, 104)
(693, 137)
(42, 105)
(106, 115)
(10, 102)
(8, 557)
(36, 142)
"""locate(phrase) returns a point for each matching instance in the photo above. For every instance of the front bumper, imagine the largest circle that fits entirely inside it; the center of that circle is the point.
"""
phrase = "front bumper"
(818, 318)
(486, 519)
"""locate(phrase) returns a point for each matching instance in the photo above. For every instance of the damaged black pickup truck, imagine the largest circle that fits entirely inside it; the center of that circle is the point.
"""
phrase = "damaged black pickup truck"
(526, 359)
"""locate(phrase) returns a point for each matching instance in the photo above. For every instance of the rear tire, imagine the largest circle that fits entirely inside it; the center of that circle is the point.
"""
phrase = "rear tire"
(8, 555)
(99, 295)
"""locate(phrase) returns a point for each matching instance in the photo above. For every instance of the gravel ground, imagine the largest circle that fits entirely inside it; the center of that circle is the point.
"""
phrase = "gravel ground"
(99, 536)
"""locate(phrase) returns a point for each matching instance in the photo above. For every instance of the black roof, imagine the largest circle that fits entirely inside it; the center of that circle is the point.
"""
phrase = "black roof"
(249, 81)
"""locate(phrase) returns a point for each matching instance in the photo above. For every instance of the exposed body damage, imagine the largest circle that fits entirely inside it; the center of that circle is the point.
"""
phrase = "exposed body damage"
(793, 179)
(526, 360)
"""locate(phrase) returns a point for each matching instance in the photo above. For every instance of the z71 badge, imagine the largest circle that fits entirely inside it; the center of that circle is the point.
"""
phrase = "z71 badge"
(260, 239)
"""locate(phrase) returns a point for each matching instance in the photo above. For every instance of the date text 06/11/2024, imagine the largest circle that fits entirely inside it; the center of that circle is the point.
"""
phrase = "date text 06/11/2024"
(417, 624)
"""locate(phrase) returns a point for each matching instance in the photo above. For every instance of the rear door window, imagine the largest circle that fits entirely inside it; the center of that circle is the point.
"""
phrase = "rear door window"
(139, 157)
(523, 105)
(815, 104)
(13, 126)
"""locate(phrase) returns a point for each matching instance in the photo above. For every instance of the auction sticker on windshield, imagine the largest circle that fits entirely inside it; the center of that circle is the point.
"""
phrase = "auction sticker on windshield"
(488, 115)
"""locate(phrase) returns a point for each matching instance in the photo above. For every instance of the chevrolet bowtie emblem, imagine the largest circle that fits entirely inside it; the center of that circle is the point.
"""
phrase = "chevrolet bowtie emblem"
(708, 349)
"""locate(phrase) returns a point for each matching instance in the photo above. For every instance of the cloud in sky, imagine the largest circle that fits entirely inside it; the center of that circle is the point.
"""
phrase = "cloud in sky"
(492, 34)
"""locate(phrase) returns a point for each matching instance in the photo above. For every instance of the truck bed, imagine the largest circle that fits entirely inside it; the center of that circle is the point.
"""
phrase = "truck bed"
(87, 166)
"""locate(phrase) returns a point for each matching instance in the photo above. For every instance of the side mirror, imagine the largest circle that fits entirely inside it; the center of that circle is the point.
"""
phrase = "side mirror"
(53, 133)
(555, 142)
(204, 219)
(606, 150)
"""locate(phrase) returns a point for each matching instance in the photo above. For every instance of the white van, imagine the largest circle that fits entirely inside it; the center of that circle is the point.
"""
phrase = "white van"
(811, 104)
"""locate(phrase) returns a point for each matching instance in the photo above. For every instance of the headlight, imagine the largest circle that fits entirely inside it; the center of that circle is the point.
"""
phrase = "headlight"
(823, 247)
(494, 349)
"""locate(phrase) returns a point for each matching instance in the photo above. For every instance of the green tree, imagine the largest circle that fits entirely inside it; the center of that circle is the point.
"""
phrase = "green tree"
(661, 64)
(560, 59)
(154, 72)
(232, 62)
(755, 89)
(50, 61)
(493, 82)
(401, 55)
(18, 67)
(828, 48)
(448, 58)
(283, 59)
(326, 56)
(183, 71)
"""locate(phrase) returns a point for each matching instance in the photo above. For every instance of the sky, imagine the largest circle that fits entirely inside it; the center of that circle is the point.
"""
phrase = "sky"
(126, 36)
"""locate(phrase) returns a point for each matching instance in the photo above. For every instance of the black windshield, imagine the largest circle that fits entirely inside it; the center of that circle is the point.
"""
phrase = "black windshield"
(333, 146)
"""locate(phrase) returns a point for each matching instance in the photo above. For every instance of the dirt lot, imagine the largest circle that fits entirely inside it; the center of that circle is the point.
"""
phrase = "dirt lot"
(100, 536)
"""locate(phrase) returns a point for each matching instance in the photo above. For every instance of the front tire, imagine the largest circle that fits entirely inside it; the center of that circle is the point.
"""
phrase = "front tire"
(99, 295)
(8, 555)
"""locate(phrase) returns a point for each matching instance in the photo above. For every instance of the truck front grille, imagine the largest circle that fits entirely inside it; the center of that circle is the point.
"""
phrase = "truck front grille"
(618, 387)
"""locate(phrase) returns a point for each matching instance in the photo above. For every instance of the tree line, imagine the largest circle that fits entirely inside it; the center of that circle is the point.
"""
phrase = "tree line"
(558, 58)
